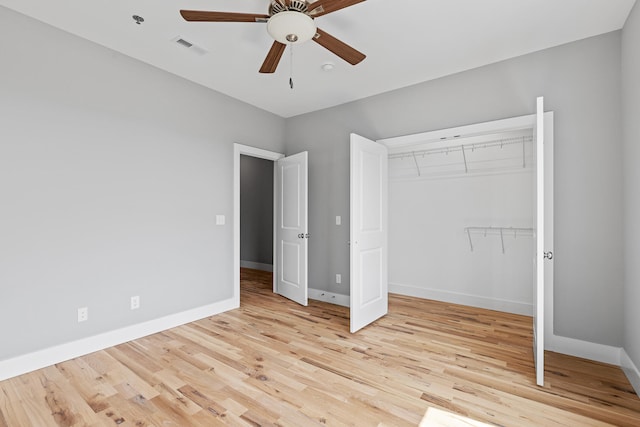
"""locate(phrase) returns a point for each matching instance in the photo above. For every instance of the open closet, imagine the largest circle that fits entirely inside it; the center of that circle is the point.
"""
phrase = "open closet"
(470, 218)
(461, 219)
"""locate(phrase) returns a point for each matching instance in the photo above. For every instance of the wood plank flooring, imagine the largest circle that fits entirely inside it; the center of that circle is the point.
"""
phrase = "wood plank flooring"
(275, 363)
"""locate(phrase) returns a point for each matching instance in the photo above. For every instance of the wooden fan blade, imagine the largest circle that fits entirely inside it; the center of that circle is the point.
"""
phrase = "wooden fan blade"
(341, 49)
(323, 7)
(273, 57)
(203, 16)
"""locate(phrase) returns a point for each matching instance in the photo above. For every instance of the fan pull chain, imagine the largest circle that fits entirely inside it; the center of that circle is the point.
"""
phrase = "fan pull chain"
(291, 67)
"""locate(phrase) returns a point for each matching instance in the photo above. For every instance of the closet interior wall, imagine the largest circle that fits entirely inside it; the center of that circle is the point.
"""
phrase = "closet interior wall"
(461, 218)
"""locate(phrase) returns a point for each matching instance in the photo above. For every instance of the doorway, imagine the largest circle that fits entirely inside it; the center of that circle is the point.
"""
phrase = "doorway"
(290, 222)
(459, 152)
(238, 151)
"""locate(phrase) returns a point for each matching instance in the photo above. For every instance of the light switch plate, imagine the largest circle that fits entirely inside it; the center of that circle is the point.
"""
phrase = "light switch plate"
(220, 220)
(338, 220)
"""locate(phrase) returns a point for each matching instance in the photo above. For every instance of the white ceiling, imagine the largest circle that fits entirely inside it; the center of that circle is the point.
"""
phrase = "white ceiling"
(406, 41)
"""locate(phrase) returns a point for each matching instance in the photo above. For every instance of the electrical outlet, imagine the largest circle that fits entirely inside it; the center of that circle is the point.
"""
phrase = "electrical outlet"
(135, 302)
(338, 278)
(83, 314)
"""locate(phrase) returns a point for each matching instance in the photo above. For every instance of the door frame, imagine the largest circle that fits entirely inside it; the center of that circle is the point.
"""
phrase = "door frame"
(247, 150)
(495, 126)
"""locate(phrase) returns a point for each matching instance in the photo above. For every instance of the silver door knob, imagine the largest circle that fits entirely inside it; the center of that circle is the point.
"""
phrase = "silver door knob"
(548, 255)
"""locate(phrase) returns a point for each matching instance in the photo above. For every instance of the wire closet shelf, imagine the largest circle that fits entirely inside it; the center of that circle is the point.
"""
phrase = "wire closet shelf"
(501, 154)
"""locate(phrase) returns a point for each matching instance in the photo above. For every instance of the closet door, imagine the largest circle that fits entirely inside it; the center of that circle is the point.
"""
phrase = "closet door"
(543, 271)
(368, 232)
(539, 270)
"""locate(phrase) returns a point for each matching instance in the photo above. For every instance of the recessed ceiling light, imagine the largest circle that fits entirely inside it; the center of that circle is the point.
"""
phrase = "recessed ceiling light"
(328, 66)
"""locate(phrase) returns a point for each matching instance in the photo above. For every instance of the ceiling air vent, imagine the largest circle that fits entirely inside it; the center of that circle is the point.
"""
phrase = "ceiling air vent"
(183, 42)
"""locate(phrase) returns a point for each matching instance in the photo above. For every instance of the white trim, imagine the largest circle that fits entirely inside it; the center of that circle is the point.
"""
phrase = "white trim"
(330, 297)
(584, 349)
(463, 299)
(42, 358)
(256, 265)
(238, 150)
(629, 368)
(502, 125)
(274, 232)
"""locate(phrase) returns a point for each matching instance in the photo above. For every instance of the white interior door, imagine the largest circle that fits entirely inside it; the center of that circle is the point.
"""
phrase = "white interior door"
(292, 234)
(543, 273)
(368, 233)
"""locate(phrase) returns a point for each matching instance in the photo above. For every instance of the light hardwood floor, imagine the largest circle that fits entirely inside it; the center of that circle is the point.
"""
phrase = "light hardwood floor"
(273, 362)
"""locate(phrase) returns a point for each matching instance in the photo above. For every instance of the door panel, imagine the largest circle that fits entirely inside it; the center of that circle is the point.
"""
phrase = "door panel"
(291, 195)
(371, 197)
(368, 233)
(371, 267)
(291, 227)
(290, 263)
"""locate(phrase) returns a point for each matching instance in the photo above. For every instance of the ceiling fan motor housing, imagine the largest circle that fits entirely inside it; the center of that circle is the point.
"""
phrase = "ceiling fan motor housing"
(294, 6)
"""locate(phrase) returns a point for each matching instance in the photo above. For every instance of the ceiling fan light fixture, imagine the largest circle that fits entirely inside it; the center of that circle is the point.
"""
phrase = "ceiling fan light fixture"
(291, 27)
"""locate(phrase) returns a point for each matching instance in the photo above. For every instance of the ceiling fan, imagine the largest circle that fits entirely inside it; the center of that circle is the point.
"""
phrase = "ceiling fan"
(289, 22)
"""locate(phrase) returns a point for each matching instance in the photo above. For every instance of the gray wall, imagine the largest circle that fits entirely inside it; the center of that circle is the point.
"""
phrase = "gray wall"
(631, 150)
(581, 83)
(256, 210)
(111, 175)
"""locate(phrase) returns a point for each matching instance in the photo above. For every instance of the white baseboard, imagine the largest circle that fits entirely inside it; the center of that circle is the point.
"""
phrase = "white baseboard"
(42, 358)
(584, 349)
(256, 265)
(463, 299)
(333, 298)
(629, 368)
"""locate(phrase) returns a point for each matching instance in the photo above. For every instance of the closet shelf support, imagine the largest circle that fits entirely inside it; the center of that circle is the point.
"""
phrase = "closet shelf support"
(464, 157)
(498, 231)
(416, 161)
